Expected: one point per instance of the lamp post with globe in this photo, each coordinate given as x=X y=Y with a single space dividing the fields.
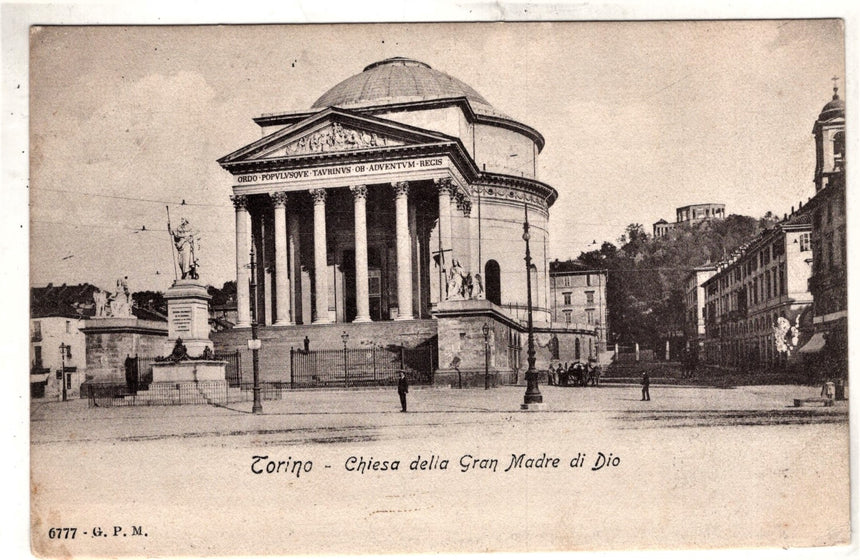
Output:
x=532 y=396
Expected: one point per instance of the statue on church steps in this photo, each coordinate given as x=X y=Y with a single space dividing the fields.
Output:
x=456 y=277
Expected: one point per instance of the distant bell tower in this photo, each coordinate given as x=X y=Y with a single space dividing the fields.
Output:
x=829 y=131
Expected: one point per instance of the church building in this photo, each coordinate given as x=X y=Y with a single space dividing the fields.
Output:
x=398 y=199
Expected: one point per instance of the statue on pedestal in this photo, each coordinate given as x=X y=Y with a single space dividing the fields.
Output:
x=477 y=287
x=116 y=304
x=100 y=299
x=185 y=240
x=455 y=281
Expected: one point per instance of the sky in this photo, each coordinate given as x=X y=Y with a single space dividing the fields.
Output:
x=639 y=118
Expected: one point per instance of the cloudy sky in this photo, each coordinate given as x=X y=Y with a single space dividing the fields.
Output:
x=639 y=118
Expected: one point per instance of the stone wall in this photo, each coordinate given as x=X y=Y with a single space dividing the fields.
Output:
x=461 y=344
x=110 y=340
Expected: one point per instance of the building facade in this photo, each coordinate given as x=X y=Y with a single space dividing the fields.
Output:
x=756 y=301
x=391 y=210
x=578 y=297
x=688 y=215
x=828 y=348
x=694 y=307
x=57 y=344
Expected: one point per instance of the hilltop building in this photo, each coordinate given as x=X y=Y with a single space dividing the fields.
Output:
x=688 y=215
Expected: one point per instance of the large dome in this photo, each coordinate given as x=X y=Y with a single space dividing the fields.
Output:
x=399 y=80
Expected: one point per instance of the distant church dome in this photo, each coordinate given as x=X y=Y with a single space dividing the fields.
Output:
x=399 y=80
x=835 y=108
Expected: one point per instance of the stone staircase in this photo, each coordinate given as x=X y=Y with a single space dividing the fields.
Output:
x=660 y=373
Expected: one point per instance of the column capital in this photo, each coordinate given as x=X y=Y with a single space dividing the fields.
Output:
x=463 y=203
x=240 y=201
x=401 y=188
x=444 y=184
x=279 y=199
x=359 y=191
x=318 y=195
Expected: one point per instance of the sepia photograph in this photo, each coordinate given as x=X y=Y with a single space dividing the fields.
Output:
x=421 y=288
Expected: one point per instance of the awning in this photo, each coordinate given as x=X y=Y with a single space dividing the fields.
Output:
x=815 y=344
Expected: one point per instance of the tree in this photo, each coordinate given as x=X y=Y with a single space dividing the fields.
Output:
x=226 y=294
x=647 y=277
x=150 y=300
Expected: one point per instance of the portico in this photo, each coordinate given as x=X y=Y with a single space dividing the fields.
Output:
x=347 y=241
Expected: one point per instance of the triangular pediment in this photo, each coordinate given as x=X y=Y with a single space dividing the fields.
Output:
x=334 y=131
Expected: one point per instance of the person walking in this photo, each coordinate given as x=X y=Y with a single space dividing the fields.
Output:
x=402 y=389
x=646 y=383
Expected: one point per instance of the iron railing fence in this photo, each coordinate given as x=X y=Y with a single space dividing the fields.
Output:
x=508 y=377
x=360 y=367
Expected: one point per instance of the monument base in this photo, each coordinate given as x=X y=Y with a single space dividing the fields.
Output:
x=196 y=347
x=188 y=316
x=189 y=370
x=110 y=340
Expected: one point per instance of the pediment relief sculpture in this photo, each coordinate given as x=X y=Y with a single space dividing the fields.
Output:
x=334 y=138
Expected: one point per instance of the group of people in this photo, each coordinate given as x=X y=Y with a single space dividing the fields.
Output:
x=576 y=374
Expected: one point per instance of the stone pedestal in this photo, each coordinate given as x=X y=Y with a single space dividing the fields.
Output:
x=189 y=370
x=109 y=340
x=188 y=315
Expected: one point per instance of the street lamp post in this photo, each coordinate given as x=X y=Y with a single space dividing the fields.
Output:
x=63 y=348
x=486 y=330
x=532 y=395
x=257 y=407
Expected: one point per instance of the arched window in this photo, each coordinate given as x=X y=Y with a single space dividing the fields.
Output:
x=493 y=282
x=839 y=144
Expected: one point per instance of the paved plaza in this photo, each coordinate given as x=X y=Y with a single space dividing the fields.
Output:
x=694 y=467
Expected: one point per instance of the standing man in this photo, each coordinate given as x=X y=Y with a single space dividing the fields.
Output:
x=402 y=389
x=646 y=383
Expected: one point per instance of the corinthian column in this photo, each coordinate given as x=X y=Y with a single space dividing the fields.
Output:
x=404 y=251
x=282 y=280
x=320 y=257
x=243 y=265
x=445 y=187
x=362 y=297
